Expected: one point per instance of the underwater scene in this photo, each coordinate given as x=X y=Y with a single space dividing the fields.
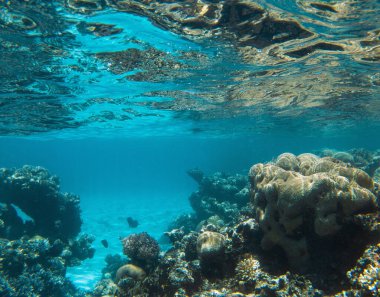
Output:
x=193 y=148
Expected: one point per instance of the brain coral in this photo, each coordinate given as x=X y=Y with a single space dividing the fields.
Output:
x=210 y=245
x=297 y=195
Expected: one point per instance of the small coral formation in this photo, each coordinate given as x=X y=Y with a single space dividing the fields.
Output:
x=141 y=248
x=35 y=251
x=211 y=249
x=210 y=245
x=320 y=208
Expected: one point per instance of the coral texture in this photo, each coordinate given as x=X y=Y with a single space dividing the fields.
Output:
x=210 y=245
x=297 y=196
x=34 y=267
x=141 y=248
x=130 y=270
x=36 y=247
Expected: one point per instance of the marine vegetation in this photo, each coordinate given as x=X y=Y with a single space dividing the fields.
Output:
x=303 y=225
x=35 y=251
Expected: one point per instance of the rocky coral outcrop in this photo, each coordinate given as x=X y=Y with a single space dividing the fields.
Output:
x=36 y=192
x=39 y=229
x=296 y=197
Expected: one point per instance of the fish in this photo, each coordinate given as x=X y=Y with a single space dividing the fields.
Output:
x=132 y=222
x=104 y=243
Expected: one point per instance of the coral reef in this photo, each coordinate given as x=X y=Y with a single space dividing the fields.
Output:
x=35 y=267
x=320 y=208
x=36 y=192
x=37 y=246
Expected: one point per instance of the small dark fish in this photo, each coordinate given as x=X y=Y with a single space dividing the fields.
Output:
x=104 y=243
x=132 y=222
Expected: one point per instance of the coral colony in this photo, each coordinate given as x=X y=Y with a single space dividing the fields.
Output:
x=305 y=225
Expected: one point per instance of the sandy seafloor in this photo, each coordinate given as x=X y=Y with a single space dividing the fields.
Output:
x=106 y=219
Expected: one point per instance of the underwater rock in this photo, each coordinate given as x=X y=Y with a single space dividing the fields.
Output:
x=130 y=270
x=141 y=248
x=36 y=192
x=318 y=198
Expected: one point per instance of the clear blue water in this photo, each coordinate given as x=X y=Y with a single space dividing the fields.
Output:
x=123 y=142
